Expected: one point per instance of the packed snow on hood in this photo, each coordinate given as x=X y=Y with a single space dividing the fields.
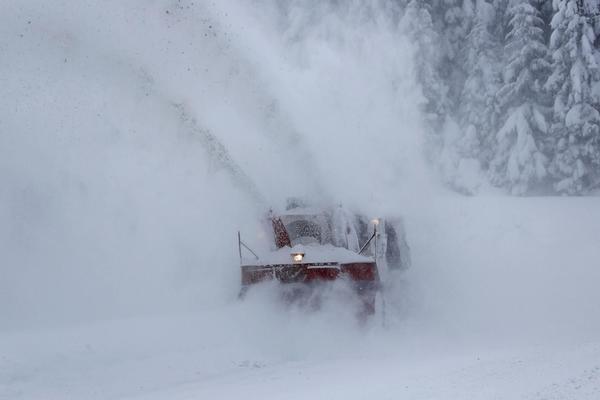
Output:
x=137 y=138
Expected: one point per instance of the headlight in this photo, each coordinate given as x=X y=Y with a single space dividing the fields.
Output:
x=297 y=257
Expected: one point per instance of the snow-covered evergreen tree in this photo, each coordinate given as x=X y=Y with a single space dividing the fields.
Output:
x=473 y=74
x=418 y=26
x=502 y=17
x=574 y=85
x=546 y=12
x=452 y=20
x=487 y=97
x=478 y=109
x=518 y=162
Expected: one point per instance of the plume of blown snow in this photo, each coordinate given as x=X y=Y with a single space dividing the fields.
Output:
x=115 y=202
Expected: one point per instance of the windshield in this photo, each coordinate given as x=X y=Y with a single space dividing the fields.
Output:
x=303 y=232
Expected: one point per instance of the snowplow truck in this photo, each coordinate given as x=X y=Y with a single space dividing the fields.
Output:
x=315 y=245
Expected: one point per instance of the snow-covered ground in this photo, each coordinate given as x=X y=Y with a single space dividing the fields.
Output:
x=118 y=214
x=502 y=302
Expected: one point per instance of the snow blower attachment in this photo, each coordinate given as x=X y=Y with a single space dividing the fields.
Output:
x=311 y=247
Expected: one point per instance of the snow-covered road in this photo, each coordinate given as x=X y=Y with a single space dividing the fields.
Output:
x=91 y=368
x=535 y=373
x=184 y=358
x=522 y=325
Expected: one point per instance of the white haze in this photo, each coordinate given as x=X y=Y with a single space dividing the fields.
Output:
x=111 y=208
x=109 y=203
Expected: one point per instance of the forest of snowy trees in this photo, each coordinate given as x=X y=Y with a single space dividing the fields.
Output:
x=512 y=92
